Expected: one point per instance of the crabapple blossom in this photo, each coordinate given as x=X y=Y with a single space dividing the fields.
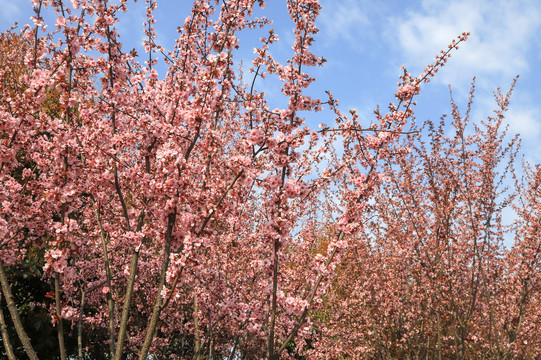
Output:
x=172 y=210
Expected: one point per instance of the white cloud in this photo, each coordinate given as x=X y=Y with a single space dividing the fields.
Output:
x=10 y=9
x=521 y=116
x=345 y=20
x=503 y=34
x=524 y=121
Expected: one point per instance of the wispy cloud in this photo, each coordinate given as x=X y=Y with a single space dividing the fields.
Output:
x=347 y=20
x=10 y=9
x=524 y=121
x=503 y=33
x=504 y=43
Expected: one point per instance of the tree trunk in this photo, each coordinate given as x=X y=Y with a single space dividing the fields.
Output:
x=14 y=312
x=60 y=326
x=155 y=319
x=5 y=336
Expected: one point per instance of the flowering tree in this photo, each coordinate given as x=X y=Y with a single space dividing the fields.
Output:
x=178 y=215
x=429 y=276
x=517 y=333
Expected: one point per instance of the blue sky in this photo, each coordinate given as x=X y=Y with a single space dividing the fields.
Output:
x=366 y=41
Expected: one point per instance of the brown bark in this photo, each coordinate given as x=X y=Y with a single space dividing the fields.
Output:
x=126 y=309
x=5 y=336
x=60 y=326
x=80 y=327
x=110 y=303
x=14 y=312
x=197 y=348
x=154 y=320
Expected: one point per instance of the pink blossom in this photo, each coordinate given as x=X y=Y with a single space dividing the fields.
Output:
x=3 y=228
x=55 y=254
x=295 y=188
x=256 y=137
x=285 y=113
x=243 y=161
x=59 y=265
x=68 y=312
x=60 y=21
x=273 y=181
x=109 y=20
x=406 y=92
